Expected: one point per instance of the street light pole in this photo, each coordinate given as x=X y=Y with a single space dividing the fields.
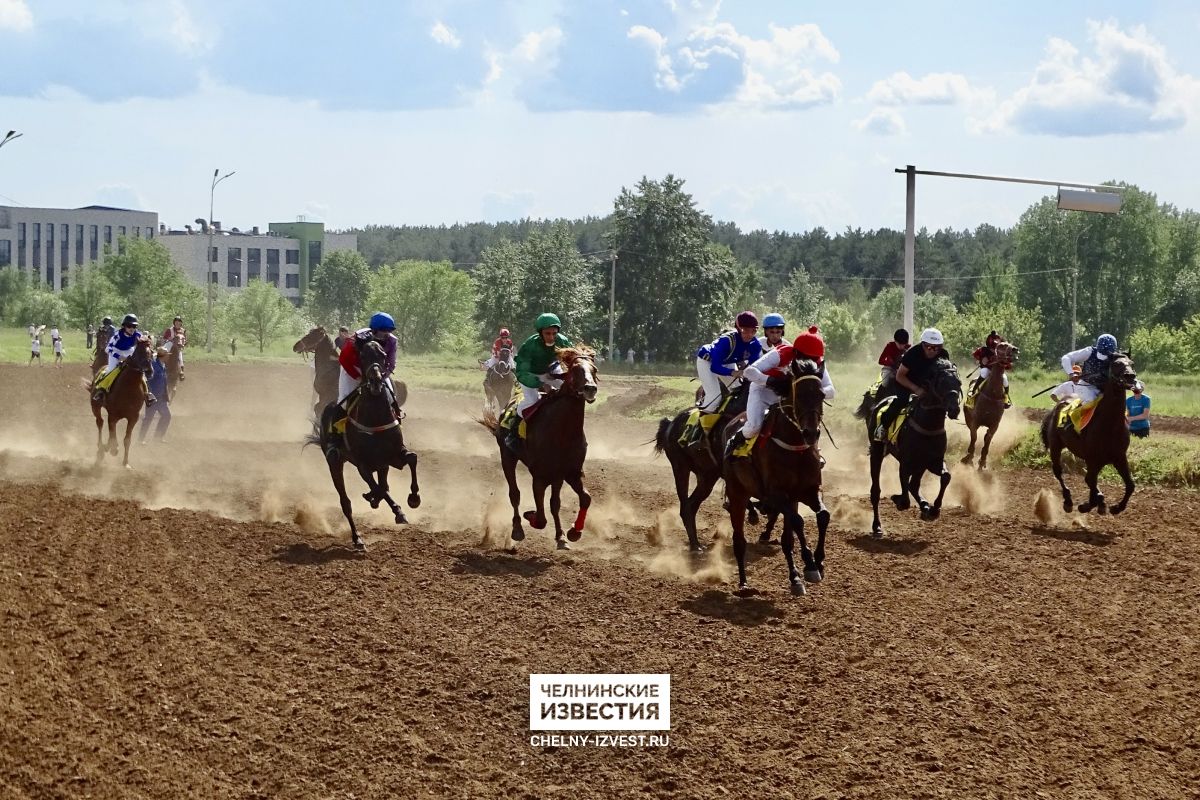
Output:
x=612 y=301
x=208 y=259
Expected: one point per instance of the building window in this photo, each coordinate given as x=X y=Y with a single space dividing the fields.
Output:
x=49 y=273
x=50 y=253
x=121 y=230
x=293 y=281
x=233 y=279
x=273 y=266
x=79 y=245
x=21 y=245
x=5 y=252
x=5 y=219
x=253 y=263
x=212 y=254
x=314 y=257
x=36 y=264
x=149 y=232
x=137 y=232
x=212 y=277
x=94 y=241
x=108 y=234
x=65 y=281
x=293 y=256
x=65 y=258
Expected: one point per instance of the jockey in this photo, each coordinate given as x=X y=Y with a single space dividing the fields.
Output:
x=104 y=334
x=380 y=328
x=503 y=341
x=1094 y=362
x=537 y=366
x=889 y=359
x=985 y=357
x=912 y=375
x=775 y=364
x=773 y=328
x=119 y=348
x=721 y=358
x=178 y=337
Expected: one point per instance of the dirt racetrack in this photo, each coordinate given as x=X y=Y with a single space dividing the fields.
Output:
x=198 y=627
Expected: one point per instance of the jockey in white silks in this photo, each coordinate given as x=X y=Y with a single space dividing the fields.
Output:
x=775 y=363
x=120 y=346
x=1095 y=363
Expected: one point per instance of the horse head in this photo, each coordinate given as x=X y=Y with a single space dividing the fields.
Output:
x=502 y=366
x=944 y=390
x=1006 y=353
x=308 y=344
x=804 y=404
x=139 y=359
x=373 y=358
x=1121 y=372
x=579 y=366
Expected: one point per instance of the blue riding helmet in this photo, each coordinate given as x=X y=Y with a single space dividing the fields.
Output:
x=1106 y=344
x=382 y=322
x=773 y=321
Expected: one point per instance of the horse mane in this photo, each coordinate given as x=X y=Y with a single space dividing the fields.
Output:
x=806 y=366
x=568 y=355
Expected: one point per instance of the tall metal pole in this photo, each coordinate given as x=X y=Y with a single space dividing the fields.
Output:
x=208 y=259
x=910 y=245
x=612 y=302
x=1074 y=292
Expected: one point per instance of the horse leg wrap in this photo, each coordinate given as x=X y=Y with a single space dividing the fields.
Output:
x=579 y=518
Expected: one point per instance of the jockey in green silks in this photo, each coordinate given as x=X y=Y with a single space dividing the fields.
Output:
x=537 y=360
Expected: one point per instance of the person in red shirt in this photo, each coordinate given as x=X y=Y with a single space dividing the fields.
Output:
x=985 y=357
x=889 y=359
x=503 y=342
x=178 y=337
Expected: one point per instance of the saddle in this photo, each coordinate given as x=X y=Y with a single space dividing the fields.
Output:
x=1074 y=412
x=893 y=432
x=699 y=425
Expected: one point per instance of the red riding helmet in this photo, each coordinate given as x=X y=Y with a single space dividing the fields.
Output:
x=504 y=332
x=810 y=344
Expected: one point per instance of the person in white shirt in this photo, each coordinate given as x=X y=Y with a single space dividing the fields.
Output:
x=1066 y=390
x=35 y=350
x=58 y=350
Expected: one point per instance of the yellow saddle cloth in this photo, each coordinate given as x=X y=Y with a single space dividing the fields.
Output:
x=105 y=381
x=509 y=416
x=893 y=431
x=1077 y=413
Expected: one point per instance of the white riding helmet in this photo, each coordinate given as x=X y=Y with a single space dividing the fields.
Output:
x=932 y=336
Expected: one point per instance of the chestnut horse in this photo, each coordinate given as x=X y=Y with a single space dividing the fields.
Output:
x=1105 y=439
x=174 y=366
x=373 y=441
x=325 y=362
x=554 y=448
x=987 y=409
x=124 y=400
x=784 y=469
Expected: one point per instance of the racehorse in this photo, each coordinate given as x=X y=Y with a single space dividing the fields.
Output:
x=373 y=440
x=100 y=361
x=704 y=463
x=988 y=406
x=499 y=381
x=784 y=469
x=1105 y=439
x=325 y=361
x=920 y=444
x=174 y=366
x=554 y=448
x=124 y=400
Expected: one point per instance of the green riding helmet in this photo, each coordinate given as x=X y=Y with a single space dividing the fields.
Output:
x=547 y=320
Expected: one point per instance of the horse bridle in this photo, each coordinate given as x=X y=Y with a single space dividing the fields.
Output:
x=568 y=385
x=787 y=411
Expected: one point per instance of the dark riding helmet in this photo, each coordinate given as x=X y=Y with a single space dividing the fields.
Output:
x=106 y=321
x=130 y=319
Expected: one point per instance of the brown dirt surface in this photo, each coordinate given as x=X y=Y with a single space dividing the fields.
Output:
x=1160 y=423
x=199 y=627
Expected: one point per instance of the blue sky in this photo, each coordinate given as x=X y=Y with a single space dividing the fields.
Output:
x=781 y=115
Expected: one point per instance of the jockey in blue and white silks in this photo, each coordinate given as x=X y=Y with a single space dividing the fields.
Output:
x=721 y=358
x=120 y=346
x=1095 y=366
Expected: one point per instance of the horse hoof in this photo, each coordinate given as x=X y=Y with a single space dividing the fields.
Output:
x=414 y=501
x=926 y=513
x=877 y=533
x=1101 y=509
x=532 y=519
x=798 y=587
x=518 y=534
x=401 y=519
x=965 y=460
x=813 y=575
x=696 y=549
x=1084 y=508
x=372 y=499
x=563 y=545
x=901 y=502
x=1067 y=507
x=934 y=513
x=751 y=516
x=1117 y=509
x=573 y=535
x=764 y=539
x=360 y=545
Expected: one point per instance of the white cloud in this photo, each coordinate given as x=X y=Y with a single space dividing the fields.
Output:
x=533 y=54
x=664 y=71
x=1127 y=85
x=936 y=88
x=185 y=33
x=15 y=15
x=443 y=34
x=882 y=122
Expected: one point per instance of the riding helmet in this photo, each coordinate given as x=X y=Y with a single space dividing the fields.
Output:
x=381 y=321
x=130 y=319
x=106 y=321
x=547 y=320
x=1106 y=344
x=773 y=321
x=932 y=336
x=810 y=344
x=504 y=332
x=747 y=319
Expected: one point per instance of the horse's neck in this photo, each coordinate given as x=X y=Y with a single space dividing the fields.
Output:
x=931 y=418
x=325 y=348
x=1112 y=402
x=371 y=410
x=994 y=385
x=565 y=412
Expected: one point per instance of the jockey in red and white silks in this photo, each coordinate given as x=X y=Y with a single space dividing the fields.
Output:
x=775 y=364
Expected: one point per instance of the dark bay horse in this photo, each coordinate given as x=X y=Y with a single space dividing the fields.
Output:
x=325 y=362
x=373 y=441
x=499 y=381
x=920 y=445
x=705 y=463
x=124 y=400
x=784 y=469
x=1105 y=439
x=554 y=448
x=988 y=407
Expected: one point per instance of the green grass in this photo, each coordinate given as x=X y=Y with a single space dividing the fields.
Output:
x=1158 y=460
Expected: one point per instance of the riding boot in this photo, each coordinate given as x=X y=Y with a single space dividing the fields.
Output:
x=738 y=440
x=150 y=399
x=98 y=396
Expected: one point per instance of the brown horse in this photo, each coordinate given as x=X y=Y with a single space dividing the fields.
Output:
x=499 y=381
x=124 y=400
x=988 y=407
x=373 y=441
x=325 y=362
x=174 y=366
x=554 y=448
x=784 y=469
x=1104 y=441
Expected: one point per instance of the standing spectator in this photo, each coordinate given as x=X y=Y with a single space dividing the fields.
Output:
x=32 y=330
x=35 y=349
x=233 y=347
x=340 y=340
x=646 y=356
x=1137 y=411
x=632 y=356
x=91 y=335
x=1066 y=390
x=158 y=387
x=58 y=350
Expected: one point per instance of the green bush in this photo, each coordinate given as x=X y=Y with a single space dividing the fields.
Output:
x=1159 y=348
x=969 y=328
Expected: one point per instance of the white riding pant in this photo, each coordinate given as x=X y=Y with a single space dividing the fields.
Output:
x=530 y=395
x=113 y=360
x=711 y=382
x=985 y=371
x=1086 y=392
x=346 y=384
x=759 y=400
x=491 y=362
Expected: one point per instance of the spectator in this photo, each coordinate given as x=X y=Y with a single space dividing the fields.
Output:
x=58 y=350
x=1137 y=411
x=32 y=330
x=35 y=349
x=632 y=356
x=233 y=347
x=158 y=387
x=91 y=335
x=1066 y=390
x=342 y=337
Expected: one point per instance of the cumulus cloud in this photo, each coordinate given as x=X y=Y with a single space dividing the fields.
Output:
x=882 y=122
x=533 y=54
x=15 y=15
x=184 y=31
x=443 y=34
x=936 y=88
x=1126 y=84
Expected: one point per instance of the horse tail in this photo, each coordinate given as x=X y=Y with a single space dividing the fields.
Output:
x=1047 y=422
x=661 y=438
x=864 y=408
x=314 y=437
x=489 y=420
